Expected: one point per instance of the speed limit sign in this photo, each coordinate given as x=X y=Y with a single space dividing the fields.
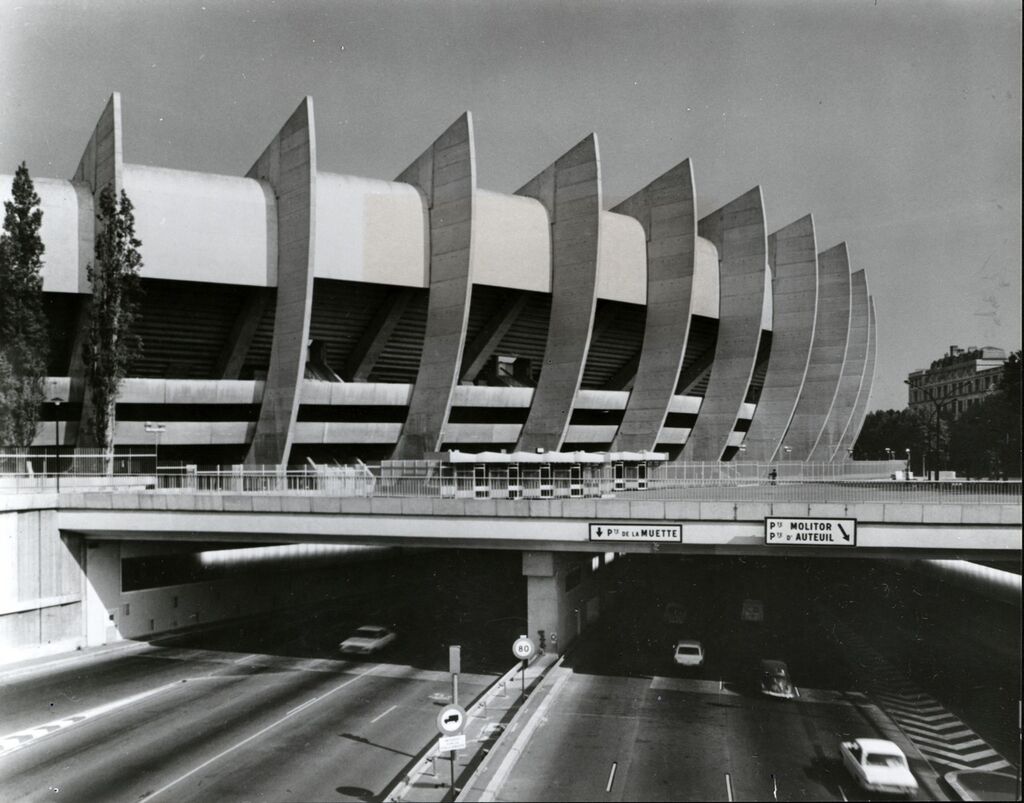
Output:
x=523 y=648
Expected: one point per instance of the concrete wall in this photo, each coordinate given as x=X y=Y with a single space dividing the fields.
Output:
x=201 y=227
x=622 y=249
x=513 y=243
x=666 y=209
x=570 y=190
x=793 y=258
x=67 y=230
x=371 y=231
x=41 y=587
x=446 y=175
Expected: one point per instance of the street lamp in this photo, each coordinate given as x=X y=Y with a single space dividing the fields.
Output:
x=889 y=454
x=152 y=426
x=56 y=401
x=908 y=462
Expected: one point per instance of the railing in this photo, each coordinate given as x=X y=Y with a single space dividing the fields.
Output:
x=699 y=482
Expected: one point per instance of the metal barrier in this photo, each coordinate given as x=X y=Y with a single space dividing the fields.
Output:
x=699 y=482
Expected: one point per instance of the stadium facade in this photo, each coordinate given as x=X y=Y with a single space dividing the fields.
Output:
x=295 y=313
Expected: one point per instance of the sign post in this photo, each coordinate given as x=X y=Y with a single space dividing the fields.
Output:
x=450 y=722
x=523 y=648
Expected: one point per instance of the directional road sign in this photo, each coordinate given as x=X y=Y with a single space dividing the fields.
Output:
x=523 y=648
x=648 y=533
x=810 y=532
x=451 y=720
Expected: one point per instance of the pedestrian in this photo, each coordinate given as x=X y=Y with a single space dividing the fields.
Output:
x=773 y=475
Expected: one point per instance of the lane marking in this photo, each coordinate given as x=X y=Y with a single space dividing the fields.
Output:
x=381 y=716
x=23 y=738
x=611 y=776
x=842 y=794
x=258 y=733
x=728 y=787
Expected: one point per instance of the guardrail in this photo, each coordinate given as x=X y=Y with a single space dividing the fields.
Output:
x=682 y=482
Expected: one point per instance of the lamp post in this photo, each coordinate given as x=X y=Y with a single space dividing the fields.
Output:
x=152 y=426
x=56 y=401
x=889 y=454
x=908 y=462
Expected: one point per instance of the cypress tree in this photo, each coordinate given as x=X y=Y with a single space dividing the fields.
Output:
x=24 y=343
x=112 y=343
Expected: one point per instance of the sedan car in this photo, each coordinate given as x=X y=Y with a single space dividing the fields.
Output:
x=367 y=640
x=878 y=766
x=688 y=653
x=775 y=681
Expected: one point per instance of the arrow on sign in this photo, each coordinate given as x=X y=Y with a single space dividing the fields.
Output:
x=846 y=535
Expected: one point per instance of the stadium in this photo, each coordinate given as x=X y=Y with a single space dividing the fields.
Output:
x=295 y=314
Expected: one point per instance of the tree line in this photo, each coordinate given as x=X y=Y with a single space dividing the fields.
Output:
x=983 y=441
x=110 y=343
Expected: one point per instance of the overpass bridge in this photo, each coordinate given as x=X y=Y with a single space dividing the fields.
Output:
x=79 y=537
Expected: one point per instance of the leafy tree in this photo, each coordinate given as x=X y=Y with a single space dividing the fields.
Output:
x=24 y=344
x=986 y=440
x=112 y=343
x=894 y=430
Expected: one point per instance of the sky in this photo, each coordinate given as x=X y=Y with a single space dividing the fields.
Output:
x=896 y=123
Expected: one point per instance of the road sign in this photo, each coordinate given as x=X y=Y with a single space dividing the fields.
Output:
x=810 y=532
x=451 y=719
x=455 y=659
x=657 y=533
x=448 y=743
x=523 y=648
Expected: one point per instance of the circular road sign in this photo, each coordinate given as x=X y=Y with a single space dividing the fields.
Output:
x=451 y=719
x=523 y=648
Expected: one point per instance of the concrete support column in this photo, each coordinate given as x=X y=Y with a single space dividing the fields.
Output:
x=570 y=190
x=667 y=208
x=831 y=327
x=446 y=175
x=289 y=166
x=793 y=259
x=101 y=165
x=831 y=436
x=738 y=231
x=860 y=409
x=561 y=596
x=102 y=571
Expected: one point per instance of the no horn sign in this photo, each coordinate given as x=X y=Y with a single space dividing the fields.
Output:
x=810 y=532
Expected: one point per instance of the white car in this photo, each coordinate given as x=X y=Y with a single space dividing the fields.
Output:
x=879 y=766
x=367 y=640
x=688 y=653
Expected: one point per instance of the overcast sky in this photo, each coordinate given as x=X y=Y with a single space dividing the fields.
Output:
x=896 y=123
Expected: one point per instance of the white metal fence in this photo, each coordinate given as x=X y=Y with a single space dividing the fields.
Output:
x=876 y=481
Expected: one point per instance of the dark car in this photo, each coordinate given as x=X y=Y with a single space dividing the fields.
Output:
x=774 y=680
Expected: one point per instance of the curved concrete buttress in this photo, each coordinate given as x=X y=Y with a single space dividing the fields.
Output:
x=289 y=166
x=831 y=327
x=446 y=175
x=738 y=231
x=860 y=409
x=667 y=209
x=793 y=258
x=831 y=435
x=101 y=165
x=570 y=190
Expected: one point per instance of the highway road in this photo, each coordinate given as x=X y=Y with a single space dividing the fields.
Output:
x=625 y=723
x=270 y=712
